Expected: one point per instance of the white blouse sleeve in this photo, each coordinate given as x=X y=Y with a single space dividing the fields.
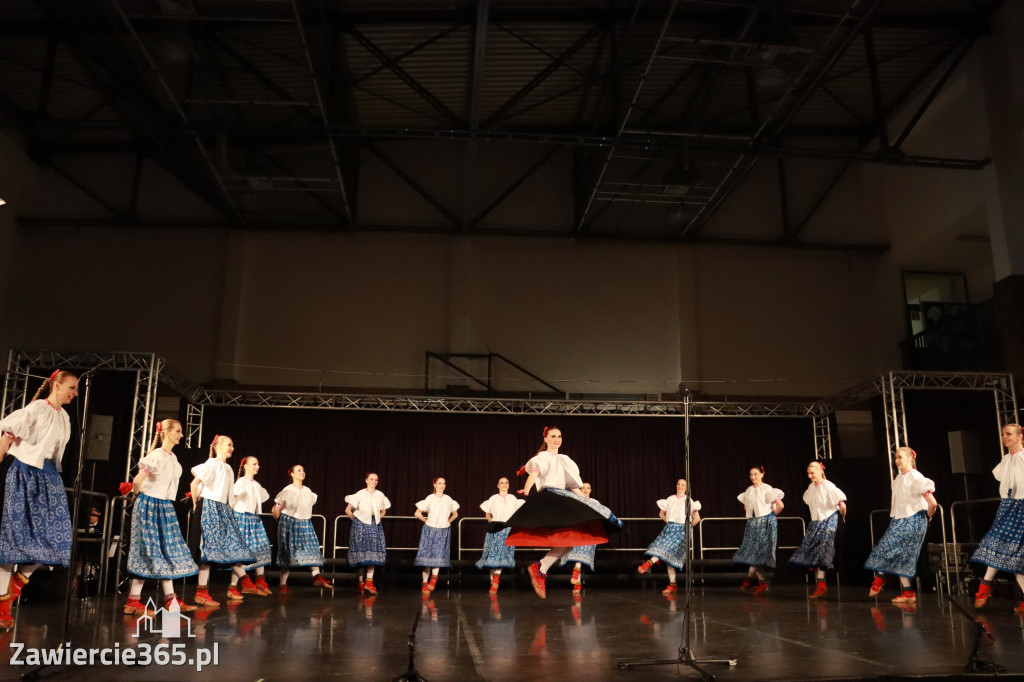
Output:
x=694 y=506
x=453 y=505
x=205 y=470
x=835 y=495
x=537 y=465
x=284 y=498
x=922 y=485
x=151 y=462
x=663 y=504
x=487 y=505
x=424 y=505
x=263 y=494
x=20 y=422
x=353 y=499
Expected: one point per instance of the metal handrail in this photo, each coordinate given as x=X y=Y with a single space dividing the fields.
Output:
x=386 y=517
x=945 y=548
x=952 y=525
x=320 y=536
x=744 y=519
x=462 y=549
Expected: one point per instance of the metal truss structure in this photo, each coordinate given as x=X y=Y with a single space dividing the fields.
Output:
x=892 y=388
x=147 y=368
x=270 y=112
x=151 y=370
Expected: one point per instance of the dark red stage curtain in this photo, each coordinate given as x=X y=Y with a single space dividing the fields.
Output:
x=630 y=461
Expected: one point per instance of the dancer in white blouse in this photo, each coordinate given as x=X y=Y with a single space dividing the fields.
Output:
x=297 y=543
x=762 y=504
x=249 y=499
x=35 y=525
x=158 y=549
x=367 y=547
x=436 y=537
x=556 y=516
x=222 y=541
x=818 y=548
x=671 y=545
x=1002 y=548
x=497 y=555
x=912 y=507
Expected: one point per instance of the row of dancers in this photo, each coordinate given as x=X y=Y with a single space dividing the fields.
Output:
x=556 y=512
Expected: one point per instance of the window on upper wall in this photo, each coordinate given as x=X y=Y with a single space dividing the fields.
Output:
x=933 y=298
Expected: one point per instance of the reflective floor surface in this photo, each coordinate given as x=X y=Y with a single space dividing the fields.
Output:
x=467 y=635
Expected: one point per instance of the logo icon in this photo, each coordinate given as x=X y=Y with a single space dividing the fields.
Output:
x=164 y=622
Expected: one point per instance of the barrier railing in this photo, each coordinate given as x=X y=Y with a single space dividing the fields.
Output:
x=315 y=518
x=945 y=546
x=600 y=548
x=734 y=519
x=952 y=526
x=387 y=518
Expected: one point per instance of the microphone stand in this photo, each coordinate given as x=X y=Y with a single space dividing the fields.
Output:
x=686 y=656
x=76 y=497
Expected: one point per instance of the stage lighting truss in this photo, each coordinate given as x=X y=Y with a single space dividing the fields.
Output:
x=152 y=370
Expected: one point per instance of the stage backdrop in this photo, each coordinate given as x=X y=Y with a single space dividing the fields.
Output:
x=630 y=461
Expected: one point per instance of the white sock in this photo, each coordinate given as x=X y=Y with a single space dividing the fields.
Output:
x=671 y=574
x=5 y=577
x=204 y=575
x=284 y=577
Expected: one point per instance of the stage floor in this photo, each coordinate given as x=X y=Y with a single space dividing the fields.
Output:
x=466 y=635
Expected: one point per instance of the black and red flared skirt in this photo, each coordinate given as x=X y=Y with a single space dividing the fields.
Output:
x=555 y=517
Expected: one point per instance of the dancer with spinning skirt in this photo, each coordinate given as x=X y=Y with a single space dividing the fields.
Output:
x=763 y=504
x=436 y=537
x=367 y=547
x=222 y=541
x=158 y=549
x=297 y=544
x=1002 y=548
x=828 y=505
x=913 y=505
x=249 y=499
x=556 y=515
x=497 y=555
x=35 y=524
x=671 y=545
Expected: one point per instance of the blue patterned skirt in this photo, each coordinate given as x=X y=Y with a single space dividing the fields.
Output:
x=759 y=540
x=222 y=541
x=435 y=547
x=1003 y=545
x=496 y=553
x=255 y=536
x=36 y=525
x=896 y=553
x=818 y=547
x=297 y=543
x=670 y=545
x=158 y=550
x=585 y=555
x=366 y=544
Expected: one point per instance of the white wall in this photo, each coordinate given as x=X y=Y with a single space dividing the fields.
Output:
x=360 y=309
